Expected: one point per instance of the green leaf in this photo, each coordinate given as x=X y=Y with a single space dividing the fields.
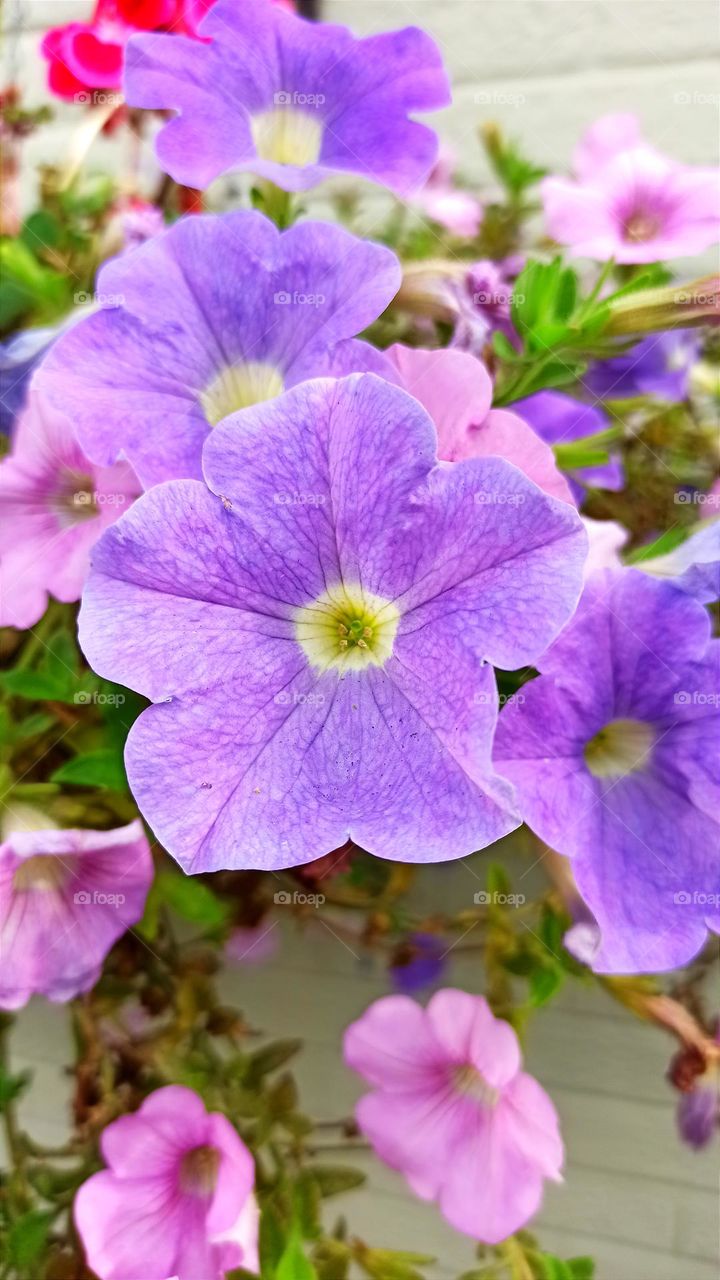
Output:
x=192 y=899
x=332 y=1180
x=272 y=1241
x=581 y=1268
x=294 y=1264
x=661 y=546
x=543 y=985
x=271 y=1058
x=102 y=768
x=11 y=1086
x=27 y=1238
x=39 y=686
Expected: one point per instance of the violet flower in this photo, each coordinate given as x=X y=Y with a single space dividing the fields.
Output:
x=54 y=504
x=659 y=366
x=291 y=101
x=316 y=628
x=453 y=1112
x=613 y=756
x=176 y=1199
x=561 y=419
x=65 y=899
x=182 y=344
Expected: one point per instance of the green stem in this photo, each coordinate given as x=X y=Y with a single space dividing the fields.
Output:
x=13 y=1134
x=276 y=203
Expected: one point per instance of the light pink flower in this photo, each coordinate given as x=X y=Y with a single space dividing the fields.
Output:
x=54 y=504
x=456 y=389
x=606 y=138
x=65 y=898
x=452 y=1110
x=176 y=1199
x=445 y=203
x=639 y=207
x=606 y=538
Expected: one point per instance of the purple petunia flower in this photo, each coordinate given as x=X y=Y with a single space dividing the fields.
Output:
x=561 y=419
x=176 y=1199
x=698 y=1110
x=613 y=753
x=660 y=366
x=639 y=207
x=65 y=899
x=453 y=1111
x=289 y=100
x=694 y=566
x=54 y=504
x=191 y=343
x=316 y=638
x=418 y=962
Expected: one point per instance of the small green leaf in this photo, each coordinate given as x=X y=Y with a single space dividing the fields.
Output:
x=11 y=1086
x=192 y=899
x=332 y=1180
x=27 y=1238
x=294 y=1264
x=102 y=768
x=271 y=1058
x=543 y=985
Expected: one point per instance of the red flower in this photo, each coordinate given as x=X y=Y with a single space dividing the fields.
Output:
x=87 y=56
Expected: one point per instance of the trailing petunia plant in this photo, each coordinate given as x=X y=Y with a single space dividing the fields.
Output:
x=323 y=558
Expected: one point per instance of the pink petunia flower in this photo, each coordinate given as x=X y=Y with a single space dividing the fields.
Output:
x=453 y=1112
x=456 y=210
x=176 y=1199
x=54 y=504
x=456 y=389
x=65 y=899
x=606 y=138
x=639 y=207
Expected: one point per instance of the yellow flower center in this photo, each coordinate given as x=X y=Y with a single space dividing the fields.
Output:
x=287 y=135
x=238 y=386
x=347 y=628
x=620 y=748
x=42 y=873
x=75 y=500
x=470 y=1082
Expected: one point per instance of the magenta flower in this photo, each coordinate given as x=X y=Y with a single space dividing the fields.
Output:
x=639 y=207
x=316 y=629
x=176 y=1199
x=452 y=1110
x=54 y=504
x=180 y=344
x=289 y=100
x=456 y=389
x=65 y=899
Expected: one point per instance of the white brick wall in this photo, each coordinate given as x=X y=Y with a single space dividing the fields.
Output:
x=645 y=1206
